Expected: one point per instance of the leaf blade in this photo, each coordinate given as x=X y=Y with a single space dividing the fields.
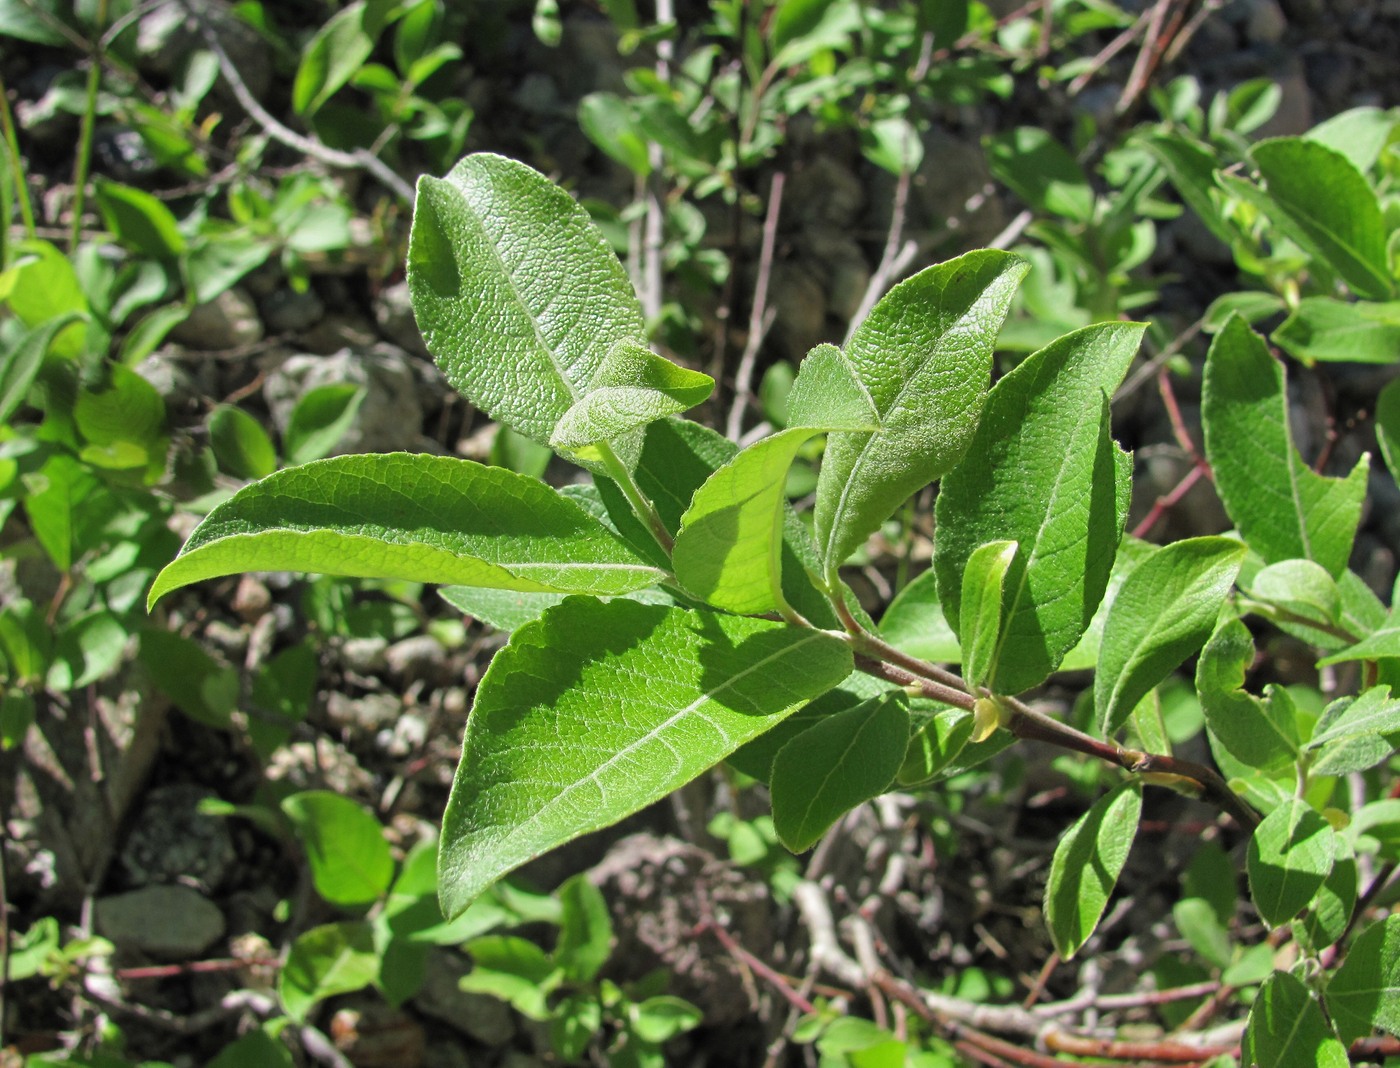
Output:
x=1086 y=866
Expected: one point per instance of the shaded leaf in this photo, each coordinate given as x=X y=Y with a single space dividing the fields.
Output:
x=1249 y=727
x=1364 y=993
x=336 y=958
x=1324 y=328
x=1086 y=866
x=1289 y=857
x=1288 y=1030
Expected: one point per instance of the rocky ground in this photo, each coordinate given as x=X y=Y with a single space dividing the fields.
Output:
x=103 y=828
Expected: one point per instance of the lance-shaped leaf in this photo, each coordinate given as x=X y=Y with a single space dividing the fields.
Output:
x=1288 y=1030
x=1253 y=730
x=1289 y=856
x=1164 y=612
x=1324 y=328
x=924 y=356
x=1365 y=991
x=1328 y=207
x=843 y=761
x=1282 y=508
x=729 y=549
x=422 y=518
x=983 y=590
x=517 y=293
x=1043 y=471
x=1373 y=712
x=633 y=387
x=1191 y=168
x=599 y=709
x=1388 y=426
x=1086 y=866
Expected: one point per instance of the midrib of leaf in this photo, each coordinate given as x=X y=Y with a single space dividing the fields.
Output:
x=1295 y=487
x=1035 y=552
x=515 y=291
x=594 y=777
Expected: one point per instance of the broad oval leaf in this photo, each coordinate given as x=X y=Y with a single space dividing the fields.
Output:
x=598 y=709
x=345 y=846
x=924 y=357
x=828 y=769
x=1086 y=866
x=422 y=518
x=1282 y=508
x=1164 y=612
x=335 y=958
x=517 y=293
x=1043 y=471
x=1288 y=1030
x=1290 y=856
x=1364 y=993
x=1252 y=729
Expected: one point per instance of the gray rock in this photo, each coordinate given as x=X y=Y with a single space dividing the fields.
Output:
x=364 y=655
x=418 y=657
x=287 y=311
x=1266 y=22
x=393 y=311
x=229 y=321
x=822 y=195
x=483 y=1018
x=171 y=839
x=798 y=298
x=390 y=417
x=368 y=712
x=169 y=922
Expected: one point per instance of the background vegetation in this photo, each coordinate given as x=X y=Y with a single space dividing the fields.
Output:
x=221 y=816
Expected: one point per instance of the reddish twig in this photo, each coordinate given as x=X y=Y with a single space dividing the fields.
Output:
x=1165 y=503
x=774 y=978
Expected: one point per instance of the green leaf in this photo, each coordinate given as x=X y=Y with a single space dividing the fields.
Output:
x=1364 y=993
x=1388 y=426
x=1086 y=866
x=1191 y=168
x=914 y=623
x=1043 y=471
x=126 y=409
x=338 y=50
x=597 y=710
x=1038 y=169
x=199 y=685
x=1164 y=612
x=585 y=930
x=240 y=443
x=612 y=124
x=828 y=769
x=420 y=518
x=1323 y=328
x=1360 y=134
x=935 y=746
x=256 y=1049
x=1250 y=728
x=345 y=847
x=660 y=1019
x=20 y=364
x=1282 y=508
x=1372 y=712
x=319 y=419
x=336 y=958
x=755 y=758
x=923 y=356
x=515 y=970
x=139 y=221
x=1289 y=858
x=505 y=610
x=1288 y=1030
x=1199 y=925
x=1331 y=910
x=1330 y=208
x=983 y=589
x=512 y=283
x=1300 y=587
x=633 y=387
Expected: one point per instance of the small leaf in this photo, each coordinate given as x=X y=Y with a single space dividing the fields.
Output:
x=512 y=283
x=1282 y=508
x=1250 y=728
x=240 y=443
x=914 y=623
x=1324 y=328
x=1043 y=471
x=1191 y=168
x=320 y=418
x=20 y=363
x=420 y=518
x=612 y=123
x=983 y=585
x=515 y=970
x=935 y=746
x=660 y=1019
x=1164 y=612
x=336 y=958
x=345 y=846
x=1086 y=865
x=199 y=685
x=597 y=710
x=827 y=770
x=139 y=221
x=1364 y=993
x=1360 y=134
x=633 y=387
x=337 y=51
x=1372 y=712
x=1300 y=587
x=1327 y=920
x=1329 y=208
x=1041 y=172
x=585 y=930
x=1288 y=1030
x=1289 y=858
x=924 y=357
